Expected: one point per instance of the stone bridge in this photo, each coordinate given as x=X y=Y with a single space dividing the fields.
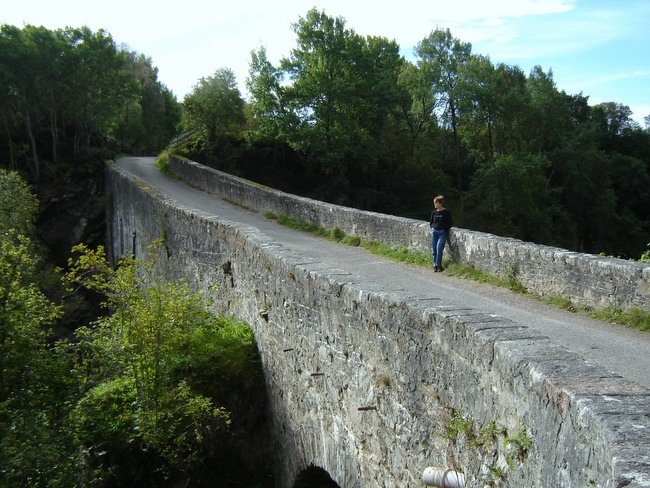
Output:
x=373 y=386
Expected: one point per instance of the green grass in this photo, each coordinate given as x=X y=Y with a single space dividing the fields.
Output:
x=397 y=253
x=162 y=162
x=635 y=318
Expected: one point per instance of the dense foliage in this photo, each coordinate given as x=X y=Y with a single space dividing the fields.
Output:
x=347 y=119
x=68 y=93
x=143 y=396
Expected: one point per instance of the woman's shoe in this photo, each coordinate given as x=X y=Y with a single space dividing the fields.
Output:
x=436 y=269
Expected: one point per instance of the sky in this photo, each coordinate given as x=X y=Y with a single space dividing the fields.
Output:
x=599 y=48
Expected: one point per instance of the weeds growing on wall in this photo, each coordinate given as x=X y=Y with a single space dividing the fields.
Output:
x=498 y=452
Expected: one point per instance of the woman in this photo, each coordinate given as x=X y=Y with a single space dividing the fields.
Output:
x=440 y=224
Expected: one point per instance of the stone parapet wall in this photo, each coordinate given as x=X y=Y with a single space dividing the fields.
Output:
x=547 y=271
x=367 y=383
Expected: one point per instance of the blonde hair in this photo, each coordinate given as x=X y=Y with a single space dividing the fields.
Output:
x=440 y=199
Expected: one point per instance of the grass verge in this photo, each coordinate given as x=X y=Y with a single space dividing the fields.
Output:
x=635 y=318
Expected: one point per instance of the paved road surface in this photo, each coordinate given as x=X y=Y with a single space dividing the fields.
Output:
x=617 y=348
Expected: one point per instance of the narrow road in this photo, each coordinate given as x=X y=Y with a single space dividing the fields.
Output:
x=621 y=350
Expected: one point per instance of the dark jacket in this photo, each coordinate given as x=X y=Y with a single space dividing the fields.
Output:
x=441 y=220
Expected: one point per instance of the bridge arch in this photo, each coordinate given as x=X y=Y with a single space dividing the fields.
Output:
x=314 y=477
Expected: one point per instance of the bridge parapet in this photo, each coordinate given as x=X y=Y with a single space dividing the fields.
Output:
x=586 y=279
x=373 y=385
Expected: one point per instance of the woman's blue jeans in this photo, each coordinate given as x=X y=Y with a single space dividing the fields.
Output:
x=438 y=239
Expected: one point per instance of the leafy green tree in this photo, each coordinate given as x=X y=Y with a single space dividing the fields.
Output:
x=141 y=415
x=64 y=93
x=35 y=381
x=98 y=85
x=321 y=81
x=418 y=103
x=265 y=84
x=410 y=165
x=18 y=206
x=513 y=109
x=444 y=57
x=496 y=109
x=510 y=199
x=481 y=110
x=30 y=60
x=549 y=119
x=329 y=101
x=618 y=117
x=149 y=121
x=214 y=113
x=630 y=177
x=589 y=197
x=342 y=88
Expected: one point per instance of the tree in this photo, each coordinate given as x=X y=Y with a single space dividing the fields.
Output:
x=214 y=112
x=337 y=76
x=151 y=120
x=444 y=57
x=549 y=117
x=64 y=92
x=35 y=381
x=321 y=82
x=480 y=108
x=267 y=93
x=418 y=102
x=329 y=101
x=18 y=206
x=510 y=198
x=98 y=85
x=630 y=180
x=495 y=104
x=31 y=66
x=618 y=116
x=145 y=412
